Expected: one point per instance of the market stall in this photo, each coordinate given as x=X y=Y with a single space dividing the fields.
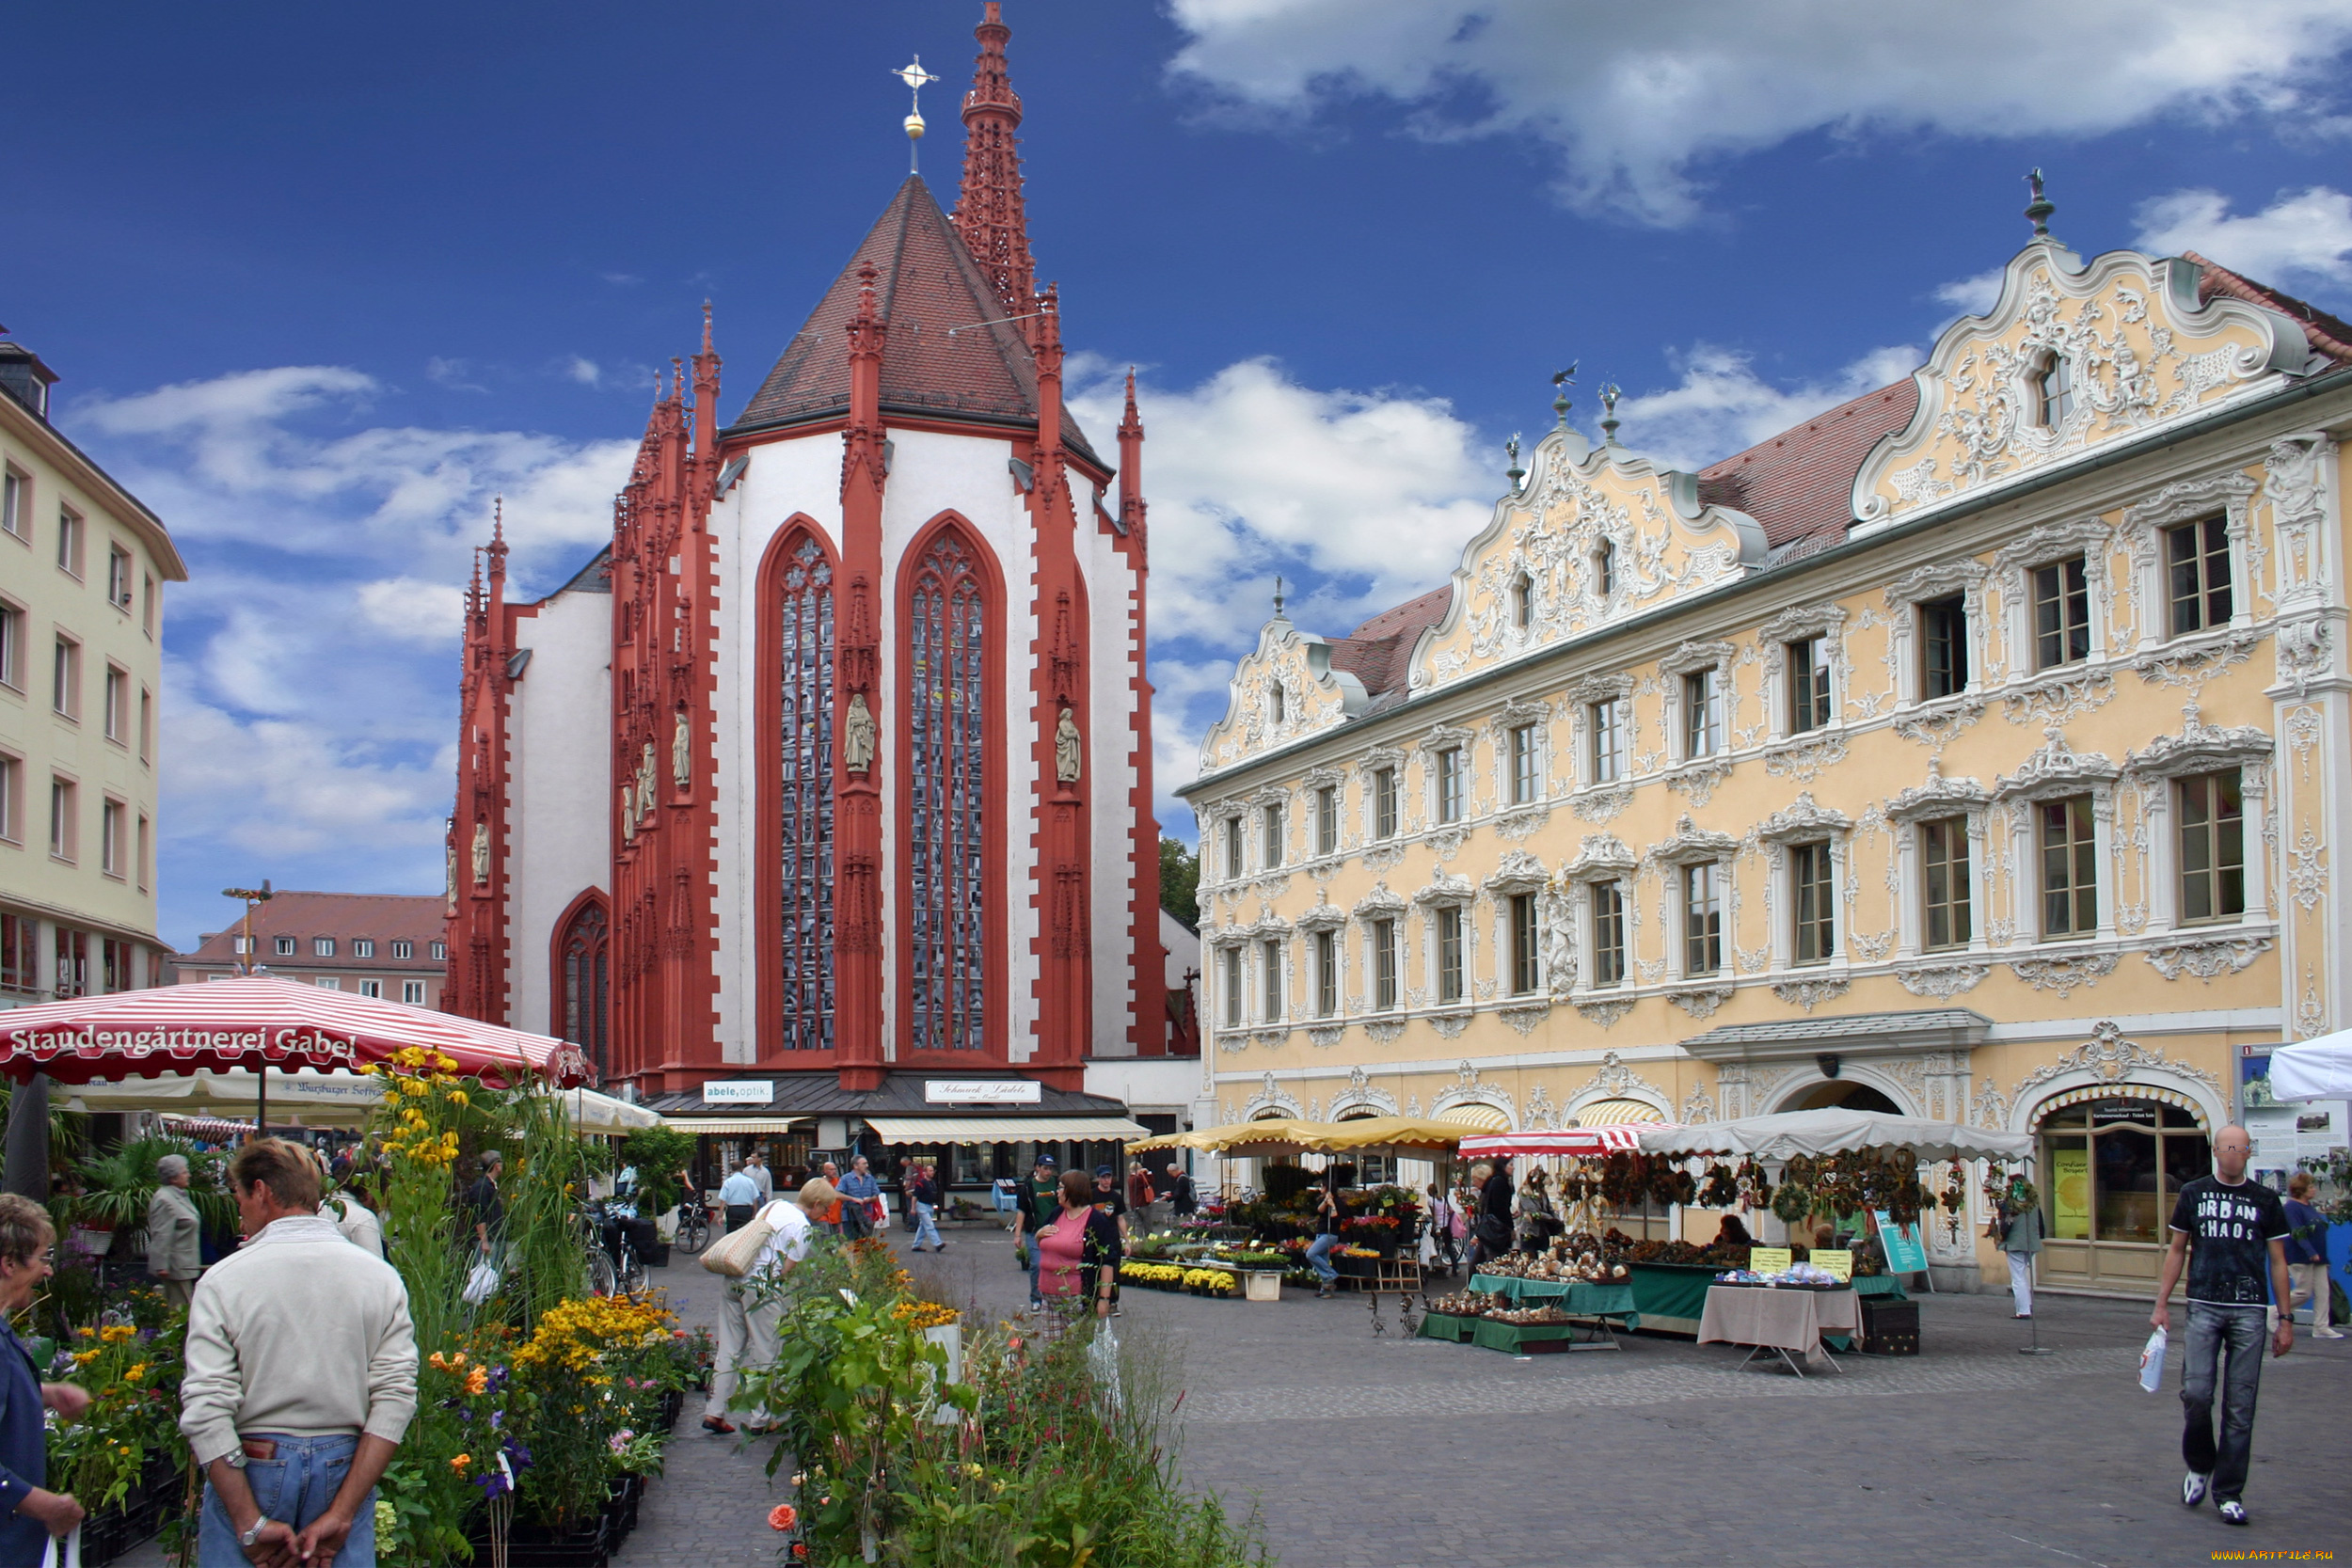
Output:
x=225 y=1102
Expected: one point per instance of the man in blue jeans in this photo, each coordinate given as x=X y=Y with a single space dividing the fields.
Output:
x=2233 y=1233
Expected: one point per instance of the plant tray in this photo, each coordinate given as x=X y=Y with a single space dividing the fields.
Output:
x=1523 y=1338
x=535 y=1546
x=1449 y=1328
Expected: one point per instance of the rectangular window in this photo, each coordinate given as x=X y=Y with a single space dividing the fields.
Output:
x=65 y=685
x=1526 y=783
x=118 y=577
x=2062 y=614
x=327 y=982
x=1384 y=965
x=403 y=950
x=1328 y=820
x=1326 y=973
x=412 y=992
x=1608 y=933
x=1702 y=919
x=440 y=951
x=1384 y=803
x=2213 y=848
x=1270 y=826
x=20 y=953
x=1808 y=683
x=1270 y=973
x=363 y=948
x=118 y=704
x=147 y=725
x=371 y=987
x=1233 y=988
x=146 y=603
x=2199 y=554
x=65 y=828
x=240 y=945
x=1449 y=784
x=68 y=541
x=1813 y=902
x=1702 y=713
x=2070 y=867
x=1943 y=647
x=110 y=837
x=146 y=853
x=1450 y=952
x=73 y=964
x=323 y=947
x=1233 y=847
x=16 y=495
x=1944 y=854
x=1524 y=946
x=11 y=647
x=1607 y=721
x=12 y=800
x=115 y=965
x=284 y=946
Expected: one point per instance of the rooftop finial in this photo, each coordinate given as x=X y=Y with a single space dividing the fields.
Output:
x=1561 y=382
x=2039 y=208
x=915 y=77
x=1610 y=394
x=1514 y=473
x=1277 y=594
x=706 y=326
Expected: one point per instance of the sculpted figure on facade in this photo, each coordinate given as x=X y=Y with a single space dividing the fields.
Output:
x=482 y=854
x=857 y=736
x=680 y=742
x=1066 y=748
x=1556 y=909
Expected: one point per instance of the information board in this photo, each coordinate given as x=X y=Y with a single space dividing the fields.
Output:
x=1905 y=1252
x=1839 y=1264
x=1770 y=1260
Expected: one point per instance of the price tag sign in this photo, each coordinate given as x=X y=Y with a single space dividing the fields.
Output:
x=1769 y=1259
x=1839 y=1264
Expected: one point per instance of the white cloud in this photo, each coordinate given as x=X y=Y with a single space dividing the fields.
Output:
x=413 y=609
x=1632 y=99
x=584 y=370
x=453 y=373
x=2302 y=238
x=1722 y=406
x=1973 y=296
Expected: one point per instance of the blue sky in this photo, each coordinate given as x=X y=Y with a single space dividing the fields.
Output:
x=321 y=280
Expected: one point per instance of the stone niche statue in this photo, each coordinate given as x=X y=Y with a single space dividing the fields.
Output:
x=857 y=736
x=448 y=874
x=482 y=854
x=1067 y=745
x=1556 y=909
x=681 y=739
x=629 y=811
x=646 y=779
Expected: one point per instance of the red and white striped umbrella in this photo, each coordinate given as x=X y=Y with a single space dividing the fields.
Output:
x=1574 y=1140
x=262 y=1021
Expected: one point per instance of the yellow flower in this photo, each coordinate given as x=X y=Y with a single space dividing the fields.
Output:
x=461 y=1462
x=458 y=1097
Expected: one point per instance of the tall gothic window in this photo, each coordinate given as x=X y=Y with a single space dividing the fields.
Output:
x=947 y=717
x=805 y=799
x=585 y=962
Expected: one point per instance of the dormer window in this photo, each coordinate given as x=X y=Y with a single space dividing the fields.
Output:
x=2053 y=392
x=1605 y=569
x=1276 y=704
x=1522 y=601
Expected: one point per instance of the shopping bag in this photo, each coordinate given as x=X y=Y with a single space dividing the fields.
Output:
x=733 y=1255
x=482 y=1284
x=1103 y=1363
x=64 y=1554
x=2152 y=1362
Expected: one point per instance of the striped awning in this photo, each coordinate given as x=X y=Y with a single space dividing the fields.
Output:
x=1617 y=1113
x=2119 y=1091
x=1486 y=1117
x=733 y=1126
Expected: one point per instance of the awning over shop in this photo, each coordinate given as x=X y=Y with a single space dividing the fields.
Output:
x=1617 y=1113
x=1836 y=1131
x=991 y=1130
x=1485 y=1118
x=732 y=1127
x=2119 y=1091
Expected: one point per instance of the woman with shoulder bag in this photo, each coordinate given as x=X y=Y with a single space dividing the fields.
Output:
x=1073 y=1248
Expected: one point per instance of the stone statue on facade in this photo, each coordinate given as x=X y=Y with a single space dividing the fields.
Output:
x=681 y=740
x=482 y=854
x=448 y=873
x=629 y=811
x=1066 y=748
x=857 y=736
x=646 y=779
x=1555 y=909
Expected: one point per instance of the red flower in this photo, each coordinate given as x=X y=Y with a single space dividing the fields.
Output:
x=783 y=1516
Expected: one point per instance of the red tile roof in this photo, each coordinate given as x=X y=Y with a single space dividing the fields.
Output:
x=1379 y=651
x=2327 y=335
x=928 y=285
x=385 y=917
x=1801 y=482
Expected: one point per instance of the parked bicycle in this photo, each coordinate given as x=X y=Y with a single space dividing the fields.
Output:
x=693 y=1226
x=613 y=1266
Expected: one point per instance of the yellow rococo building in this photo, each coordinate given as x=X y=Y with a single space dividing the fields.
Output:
x=1974 y=750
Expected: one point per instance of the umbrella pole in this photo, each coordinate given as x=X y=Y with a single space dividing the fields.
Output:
x=260 y=1105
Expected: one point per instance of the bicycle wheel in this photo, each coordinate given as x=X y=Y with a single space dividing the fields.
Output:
x=693 y=1233
x=602 y=1280
x=632 y=1273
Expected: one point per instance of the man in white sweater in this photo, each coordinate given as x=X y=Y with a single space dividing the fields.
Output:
x=301 y=1378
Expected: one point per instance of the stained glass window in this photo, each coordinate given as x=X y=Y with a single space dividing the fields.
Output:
x=948 y=713
x=587 y=986
x=805 y=634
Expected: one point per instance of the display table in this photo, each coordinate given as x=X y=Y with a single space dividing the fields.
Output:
x=1777 y=1319
x=1671 y=1297
x=1512 y=1338
x=1446 y=1326
x=1596 y=1304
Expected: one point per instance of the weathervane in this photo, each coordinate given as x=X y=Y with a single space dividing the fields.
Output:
x=915 y=77
x=1561 y=382
x=1278 y=593
x=2039 y=208
x=1514 y=473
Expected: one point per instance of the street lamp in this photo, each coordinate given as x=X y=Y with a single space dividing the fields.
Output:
x=253 y=895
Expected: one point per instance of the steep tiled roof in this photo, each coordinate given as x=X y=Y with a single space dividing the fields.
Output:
x=385 y=917
x=928 y=284
x=1379 y=651
x=2327 y=334
x=1801 y=482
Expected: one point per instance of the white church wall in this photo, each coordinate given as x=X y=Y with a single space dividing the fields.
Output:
x=1114 y=653
x=784 y=479
x=559 y=823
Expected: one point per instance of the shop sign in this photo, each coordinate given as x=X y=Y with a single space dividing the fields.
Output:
x=1905 y=1254
x=738 y=1091
x=2070 y=1194
x=2141 y=1111
x=998 y=1091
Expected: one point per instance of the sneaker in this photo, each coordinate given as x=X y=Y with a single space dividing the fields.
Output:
x=2193 y=1490
x=719 y=1425
x=1036 y=1304
x=2326 y=1334
x=2233 y=1512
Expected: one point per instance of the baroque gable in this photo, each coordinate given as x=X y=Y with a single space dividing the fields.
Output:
x=1281 y=690
x=2137 y=351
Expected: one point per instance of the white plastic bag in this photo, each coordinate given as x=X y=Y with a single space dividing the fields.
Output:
x=2152 y=1362
x=64 y=1554
x=481 y=1284
x=1102 y=1361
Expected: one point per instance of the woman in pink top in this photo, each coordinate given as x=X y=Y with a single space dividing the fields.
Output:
x=1073 y=1244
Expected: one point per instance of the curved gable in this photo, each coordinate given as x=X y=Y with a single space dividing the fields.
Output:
x=1314 y=695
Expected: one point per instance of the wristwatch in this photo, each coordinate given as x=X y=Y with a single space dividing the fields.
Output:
x=249 y=1537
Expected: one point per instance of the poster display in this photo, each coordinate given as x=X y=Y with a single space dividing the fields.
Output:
x=2070 y=1194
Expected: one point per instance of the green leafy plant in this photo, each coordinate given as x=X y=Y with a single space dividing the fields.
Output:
x=659 y=1153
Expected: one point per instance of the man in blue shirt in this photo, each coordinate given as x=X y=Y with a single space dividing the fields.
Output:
x=740 y=1193
x=858 y=1192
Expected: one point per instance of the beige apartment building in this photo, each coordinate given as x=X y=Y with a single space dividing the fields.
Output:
x=83 y=566
x=385 y=945
x=1974 y=750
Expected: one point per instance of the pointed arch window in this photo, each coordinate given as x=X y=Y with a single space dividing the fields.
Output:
x=805 y=641
x=947 y=714
x=584 y=984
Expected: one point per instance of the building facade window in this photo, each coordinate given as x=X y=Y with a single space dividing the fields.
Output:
x=146 y=603
x=1526 y=766
x=363 y=948
x=1522 y=601
x=404 y=949
x=1606 y=721
x=2197 y=555
x=118 y=577
x=64 y=827
x=2212 y=847
x=112 y=838
x=72 y=964
x=117 y=966
x=948 y=714
x=1449 y=923
x=117 y=704
x=371 y=987
x=1278 y=703
x=1608 y=933
x=16 y=498
x=1270 y=974
x=412 y=992
x=2053 y=392
x=147 y=725
x=440 y=950
x=1231 y=988
x=1270 y=831
x=322 y=947
x=1234 y=838
x=20 y=955
x=144 y=864
x=2115 y=1168
x=12 y=800
x=1702 y=919
x=1526 y=946
x=283 y=947
x=1328 y=820
x=1604 y=568
x=1384 y=802
x=68 y=541
x=2070 y=867
x=1449 y=784
x=11 y=647
x=65 y=686
x=584 y=965
x=1943 y=889
x=805 y=873
x=1943 y=647
x=1326 y=973
x=1702 y=713
x=1812 y=904
x=328 y=982
x=2061 y=613
x=1808 y=683
x=1384 y=965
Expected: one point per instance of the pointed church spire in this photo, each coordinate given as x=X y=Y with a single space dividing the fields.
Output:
x=1131 y=466
x=989 y=214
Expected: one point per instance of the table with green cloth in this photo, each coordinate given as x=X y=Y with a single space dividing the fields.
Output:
x=1671 y=1297
x=1576 y=1297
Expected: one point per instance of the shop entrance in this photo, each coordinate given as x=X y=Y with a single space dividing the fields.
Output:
x=2109 y=1168
x=1843 y=1096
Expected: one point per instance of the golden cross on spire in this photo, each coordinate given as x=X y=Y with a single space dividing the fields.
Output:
x=915 y=77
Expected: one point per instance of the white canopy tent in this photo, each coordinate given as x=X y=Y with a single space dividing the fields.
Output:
x=1836 y=1131
x=2313 y=1070
x=308 y=1098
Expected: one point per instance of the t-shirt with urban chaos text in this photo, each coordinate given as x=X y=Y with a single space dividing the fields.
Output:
x=2230 y=1231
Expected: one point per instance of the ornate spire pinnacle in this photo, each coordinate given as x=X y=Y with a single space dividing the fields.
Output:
x=1513 y=473
x=989 y=212
x=1561 y=382
x=1610 y=394
x=1130 y=505
x=915 y=77
x=2039 y=208
x=1278 y=596
x=706 y=326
